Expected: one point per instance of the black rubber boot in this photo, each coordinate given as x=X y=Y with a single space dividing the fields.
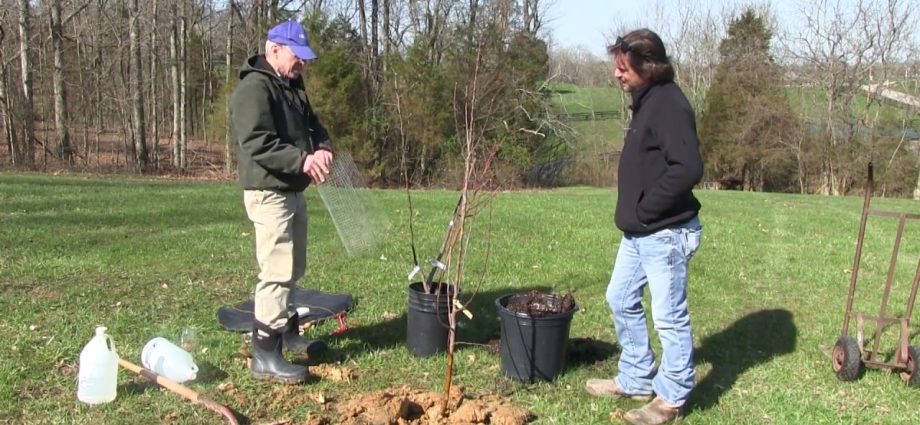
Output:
x=267 y=362
x=296 y=343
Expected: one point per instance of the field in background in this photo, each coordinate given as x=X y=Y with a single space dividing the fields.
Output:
x=147 y=258
x=597 y=140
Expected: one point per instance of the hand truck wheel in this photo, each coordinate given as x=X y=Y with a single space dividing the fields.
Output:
x=912 y=374
x=847 y=361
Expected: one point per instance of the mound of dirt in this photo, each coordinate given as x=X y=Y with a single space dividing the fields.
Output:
x=405 y=406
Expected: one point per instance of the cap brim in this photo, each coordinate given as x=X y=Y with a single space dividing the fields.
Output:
x=303 y=52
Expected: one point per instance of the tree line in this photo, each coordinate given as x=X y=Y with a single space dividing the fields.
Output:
x=130 y=85
x=83 y=80
x=800 y=106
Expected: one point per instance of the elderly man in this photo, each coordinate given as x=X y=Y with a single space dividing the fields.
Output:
x=282 y=148
x=658 y=214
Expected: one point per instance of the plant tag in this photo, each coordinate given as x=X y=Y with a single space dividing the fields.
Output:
x=462 y=309
x=415 y=271
x=437 y=264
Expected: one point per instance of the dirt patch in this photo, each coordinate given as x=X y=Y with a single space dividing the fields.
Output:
x=232 y=393
x=40 y=292
x=171 y=418
x=407 y=406
x=65 y=368
x=315 y=419
x=333 y=373
x=286 y=398
x=494 y=346
x=537 y=304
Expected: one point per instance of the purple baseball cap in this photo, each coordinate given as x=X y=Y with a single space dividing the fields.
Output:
x=292 y=34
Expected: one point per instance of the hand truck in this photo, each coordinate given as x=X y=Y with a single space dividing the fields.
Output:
x=850 y=355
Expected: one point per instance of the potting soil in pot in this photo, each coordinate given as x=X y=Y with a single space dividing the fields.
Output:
x=537 y=304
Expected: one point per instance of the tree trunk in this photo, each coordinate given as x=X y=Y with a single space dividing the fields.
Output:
x=154 y=89
x=917 y=188
x=6 y=109
x=27 y=150
x=65 y=151
x=434 y=29
x=137 y=92
x=183 y=86
x=174 y=75
x=207 y=99
x=84 y=139
x=228 y=62
x=375 y=43
x=368 y=73
x=387 y=40
x=97 y=112
x=362 y=17
x=414 y=19
x=528 y=12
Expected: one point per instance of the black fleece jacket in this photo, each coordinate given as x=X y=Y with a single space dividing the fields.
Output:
x=660 y=162
x=274 y=127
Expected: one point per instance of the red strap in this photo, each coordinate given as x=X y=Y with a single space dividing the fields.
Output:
x=343 y=327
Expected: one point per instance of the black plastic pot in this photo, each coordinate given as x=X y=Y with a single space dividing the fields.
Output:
x=427 y=321
x=533 y=348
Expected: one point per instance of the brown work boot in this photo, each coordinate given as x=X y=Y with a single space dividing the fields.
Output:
x=655 y=413
x=610 y=388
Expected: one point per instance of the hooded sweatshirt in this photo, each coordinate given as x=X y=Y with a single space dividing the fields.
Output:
x=274 y=127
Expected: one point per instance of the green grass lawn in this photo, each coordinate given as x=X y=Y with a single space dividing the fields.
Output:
x=146 y=258
x=571 y=98
x=810 y=103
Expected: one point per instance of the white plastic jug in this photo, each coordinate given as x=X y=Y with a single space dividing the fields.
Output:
x=168 y=360
x=98 y=376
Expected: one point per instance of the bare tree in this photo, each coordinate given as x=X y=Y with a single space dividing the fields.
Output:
x=175 y=74
x=6 y=108
x=533 y=12
x=137 y=92
x=387 y=40
x=362 y=23
x=61 y=122
x=26 y=153
x=473 y=102
x=837 y=49
x=183 y=85
x=154 y=85
x=415 y=20
x=694 y=46
x=228 y=64
x=375 y=45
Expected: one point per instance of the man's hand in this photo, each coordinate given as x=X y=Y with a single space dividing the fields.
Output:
x=316 y=165
x=324 y=157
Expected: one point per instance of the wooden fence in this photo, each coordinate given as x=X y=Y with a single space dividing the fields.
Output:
x=586 y=116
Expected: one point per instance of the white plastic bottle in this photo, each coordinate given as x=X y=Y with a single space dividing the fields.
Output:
x=98 y=376
x=168 y=360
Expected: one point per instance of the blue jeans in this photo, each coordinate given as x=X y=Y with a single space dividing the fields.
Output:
x=662 y=261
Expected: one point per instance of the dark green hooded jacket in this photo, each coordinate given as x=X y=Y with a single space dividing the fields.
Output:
x=274 y=127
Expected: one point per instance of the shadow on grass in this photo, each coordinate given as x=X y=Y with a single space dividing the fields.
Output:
x=140 y=385
x=209 y=374
x=389 y=333
x=752 y=340
x=136 y=386
x=584 y=352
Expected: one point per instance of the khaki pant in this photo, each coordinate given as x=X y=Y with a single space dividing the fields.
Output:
x=280 y=220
